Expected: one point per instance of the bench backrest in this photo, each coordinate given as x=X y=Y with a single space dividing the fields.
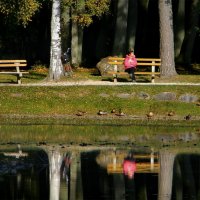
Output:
x=13 y=63
x=140 y=61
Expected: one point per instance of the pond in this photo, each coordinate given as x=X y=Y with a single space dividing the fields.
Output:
x=33 y=167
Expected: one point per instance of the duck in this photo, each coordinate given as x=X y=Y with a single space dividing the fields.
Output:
x=171 y=113
x=188 y=117
x=80 y=113
x=150 y=115
x=120 y=113
x=102 y=112
x=198 y=103
x=113 y=110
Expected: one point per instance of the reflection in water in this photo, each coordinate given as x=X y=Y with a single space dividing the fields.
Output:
x=65 y=167
x=22 y=177
x=129 y=165
x=98 y=174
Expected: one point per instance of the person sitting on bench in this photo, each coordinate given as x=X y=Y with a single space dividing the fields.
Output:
x=130 y=64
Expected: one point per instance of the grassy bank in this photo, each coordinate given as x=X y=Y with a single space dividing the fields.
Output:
x=67 y=101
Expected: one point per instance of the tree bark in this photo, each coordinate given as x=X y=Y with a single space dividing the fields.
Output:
x=179 y=28
x=65 y=28
x=74 y=44
x=132 y=24
x=189 y=41
x=77 y=37
x=166 y=39
x=120 y=28
x=56 y=67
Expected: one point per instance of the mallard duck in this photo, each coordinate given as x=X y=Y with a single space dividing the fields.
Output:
x=102 y=112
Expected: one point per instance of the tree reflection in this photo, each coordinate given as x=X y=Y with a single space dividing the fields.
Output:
x=100 y=174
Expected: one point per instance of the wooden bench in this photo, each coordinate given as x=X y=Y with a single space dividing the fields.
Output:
x=149 y=67
x=13 y=67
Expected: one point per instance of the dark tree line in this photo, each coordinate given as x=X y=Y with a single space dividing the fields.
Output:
x=154 y=28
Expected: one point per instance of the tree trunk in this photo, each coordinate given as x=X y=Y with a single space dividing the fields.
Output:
x=56 y=68
x=166 y=39
x=65 y=28
x=132 y=23
x=179 y=28
x=74 y=44
x=120 y=28
x=192 y=32
x=165 y=175
x=142 y=27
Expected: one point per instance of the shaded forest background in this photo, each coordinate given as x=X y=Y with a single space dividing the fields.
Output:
x=33 y=41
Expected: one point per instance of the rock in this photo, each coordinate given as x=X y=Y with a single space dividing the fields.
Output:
x=123 y=95
x=188 y=98
x=143 y=95
x=104 y=67
x=165 y=96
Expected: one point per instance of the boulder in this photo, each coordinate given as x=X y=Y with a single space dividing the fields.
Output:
x=104 y=67
x=188 y=98
x=165 y=96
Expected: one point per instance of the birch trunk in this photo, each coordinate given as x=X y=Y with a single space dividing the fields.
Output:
x=166 y=39
x=56 y=68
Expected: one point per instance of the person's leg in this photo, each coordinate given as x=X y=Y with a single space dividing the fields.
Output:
x=132 y=73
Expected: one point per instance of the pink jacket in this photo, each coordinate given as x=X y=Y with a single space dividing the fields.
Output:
x=130 y=61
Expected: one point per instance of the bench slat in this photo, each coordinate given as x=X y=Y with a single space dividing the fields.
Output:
x=12 y=61
x=125 y=73
x=13 y=65
x=146 y=73
x=14 y=72
x=114 y=72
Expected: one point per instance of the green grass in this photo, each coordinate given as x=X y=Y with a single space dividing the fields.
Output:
x=67 y=100
x=52 y=101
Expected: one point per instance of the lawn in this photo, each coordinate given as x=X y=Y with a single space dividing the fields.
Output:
x=67 y=101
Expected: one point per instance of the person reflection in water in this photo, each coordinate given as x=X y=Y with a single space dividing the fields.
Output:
x=129 y=166
x=65 y=167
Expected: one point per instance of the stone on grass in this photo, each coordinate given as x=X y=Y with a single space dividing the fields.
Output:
x=165 y=96
x=188 y=98
x=143 y=95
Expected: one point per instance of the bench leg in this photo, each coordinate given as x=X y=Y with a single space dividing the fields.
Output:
x=152 y=78
x=19 y=79
x=115 y=78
